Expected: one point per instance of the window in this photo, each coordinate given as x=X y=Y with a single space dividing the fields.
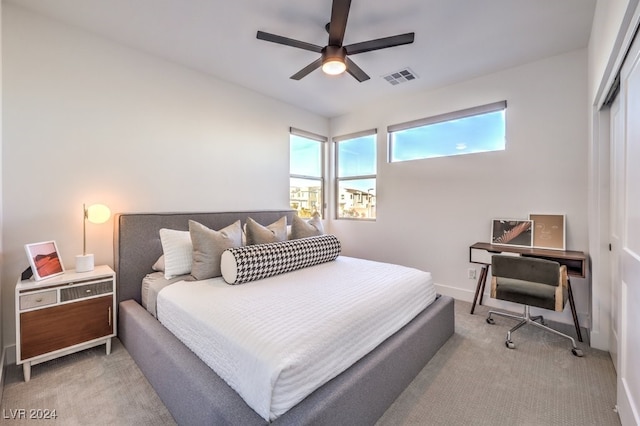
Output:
x=306 y=180
x=473 y=130
x=356 y=175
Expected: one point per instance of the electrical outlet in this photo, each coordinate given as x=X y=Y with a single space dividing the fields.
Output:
x=471 y=273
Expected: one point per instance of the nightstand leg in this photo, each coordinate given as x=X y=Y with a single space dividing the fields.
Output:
x=108 y=345
x=26 y=370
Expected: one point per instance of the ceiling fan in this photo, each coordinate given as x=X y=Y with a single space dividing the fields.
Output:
x=334 y=57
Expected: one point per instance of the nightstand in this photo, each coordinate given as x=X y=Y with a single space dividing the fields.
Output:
x=64 y=314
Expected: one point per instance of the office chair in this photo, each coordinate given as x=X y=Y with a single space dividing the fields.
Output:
x=530 y=282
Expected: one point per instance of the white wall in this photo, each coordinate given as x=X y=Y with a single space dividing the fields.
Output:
x=605 y=38
x=430 y=211
x=87 y=120
x=607 y=21
x=607 y=46
x=2 y=352
x=614 y=24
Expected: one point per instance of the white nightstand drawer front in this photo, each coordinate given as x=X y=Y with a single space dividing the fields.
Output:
x=37 y=300
x=80 y=292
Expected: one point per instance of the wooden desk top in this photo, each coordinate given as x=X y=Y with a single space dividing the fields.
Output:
x=575 y=260
x=560 y=254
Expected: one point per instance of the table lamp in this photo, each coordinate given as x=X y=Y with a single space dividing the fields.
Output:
x=96 y=213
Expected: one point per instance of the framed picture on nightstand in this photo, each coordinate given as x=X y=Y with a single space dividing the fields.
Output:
x=44 y=259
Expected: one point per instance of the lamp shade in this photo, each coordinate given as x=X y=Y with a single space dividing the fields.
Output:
x=98 y=213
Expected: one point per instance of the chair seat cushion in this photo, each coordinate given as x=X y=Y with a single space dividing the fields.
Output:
x=527 y=293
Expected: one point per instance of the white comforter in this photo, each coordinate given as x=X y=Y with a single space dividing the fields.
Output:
x=278 y=339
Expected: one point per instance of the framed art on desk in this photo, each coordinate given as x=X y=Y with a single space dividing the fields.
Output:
x=512 y=232
x=549 y=231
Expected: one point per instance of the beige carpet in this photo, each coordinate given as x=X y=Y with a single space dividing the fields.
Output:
x=473 y=380
x=85 y=388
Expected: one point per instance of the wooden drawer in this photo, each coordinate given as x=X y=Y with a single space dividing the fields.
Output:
x=88 y=290
x=36 y=300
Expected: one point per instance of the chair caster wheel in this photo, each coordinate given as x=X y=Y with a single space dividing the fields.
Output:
x=490 y=321
x=510 y=344
x=577 y=352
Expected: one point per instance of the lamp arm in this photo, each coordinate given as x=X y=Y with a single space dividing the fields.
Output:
x=84 y=230
x=96 y=213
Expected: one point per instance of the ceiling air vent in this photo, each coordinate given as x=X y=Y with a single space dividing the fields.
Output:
x=401 y=76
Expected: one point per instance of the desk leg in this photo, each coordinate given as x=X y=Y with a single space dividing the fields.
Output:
x=482 y=279
x=573 y=311
x=484 y=273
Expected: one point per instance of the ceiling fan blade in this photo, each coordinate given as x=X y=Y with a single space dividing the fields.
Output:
x=338 y=23
x=288 y=41
x=356 y=71
x=306 y=70
x=380 y=43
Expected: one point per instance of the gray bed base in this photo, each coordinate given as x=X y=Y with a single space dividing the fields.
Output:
x=195 y=395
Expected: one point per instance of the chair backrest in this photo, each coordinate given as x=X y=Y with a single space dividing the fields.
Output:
x=526 y=268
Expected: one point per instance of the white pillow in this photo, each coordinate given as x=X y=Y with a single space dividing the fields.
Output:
x=178 y=252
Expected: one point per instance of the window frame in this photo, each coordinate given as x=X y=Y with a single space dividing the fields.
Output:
x=322 y=179
x=440 y=118
x=336 y=140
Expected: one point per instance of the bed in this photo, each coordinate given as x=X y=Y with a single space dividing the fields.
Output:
x=195 y=394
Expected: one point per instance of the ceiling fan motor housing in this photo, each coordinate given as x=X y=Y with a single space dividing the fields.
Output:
x=334 y=52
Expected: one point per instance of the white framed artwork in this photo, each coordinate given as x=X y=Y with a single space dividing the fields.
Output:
x=549 y=231
x=44 y=259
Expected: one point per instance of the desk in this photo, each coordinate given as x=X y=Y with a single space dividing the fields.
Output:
x=575 y=261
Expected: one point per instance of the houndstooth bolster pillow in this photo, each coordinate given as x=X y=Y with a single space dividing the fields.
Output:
x=249 y=263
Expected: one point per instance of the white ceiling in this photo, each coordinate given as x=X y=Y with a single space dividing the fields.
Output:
x=455 y=39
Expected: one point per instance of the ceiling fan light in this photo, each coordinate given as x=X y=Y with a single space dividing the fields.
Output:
x=334 y=66
x=334 y=60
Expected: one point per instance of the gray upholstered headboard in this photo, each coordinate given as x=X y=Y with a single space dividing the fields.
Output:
x=137 y=240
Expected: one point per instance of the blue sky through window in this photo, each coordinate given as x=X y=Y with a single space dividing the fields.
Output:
x=478 y=133
x=357 y=157
x=306 y=157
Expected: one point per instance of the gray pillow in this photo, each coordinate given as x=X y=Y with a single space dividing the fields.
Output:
x=301 y=228
x=258 y=234
x=208 y=246
x=159 y=265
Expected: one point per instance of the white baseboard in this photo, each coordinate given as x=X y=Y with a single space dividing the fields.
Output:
x=467 y=296
x=10 y=354
x=598 y=340
x=454 y=292
x=629 y=414
x=2 y=371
